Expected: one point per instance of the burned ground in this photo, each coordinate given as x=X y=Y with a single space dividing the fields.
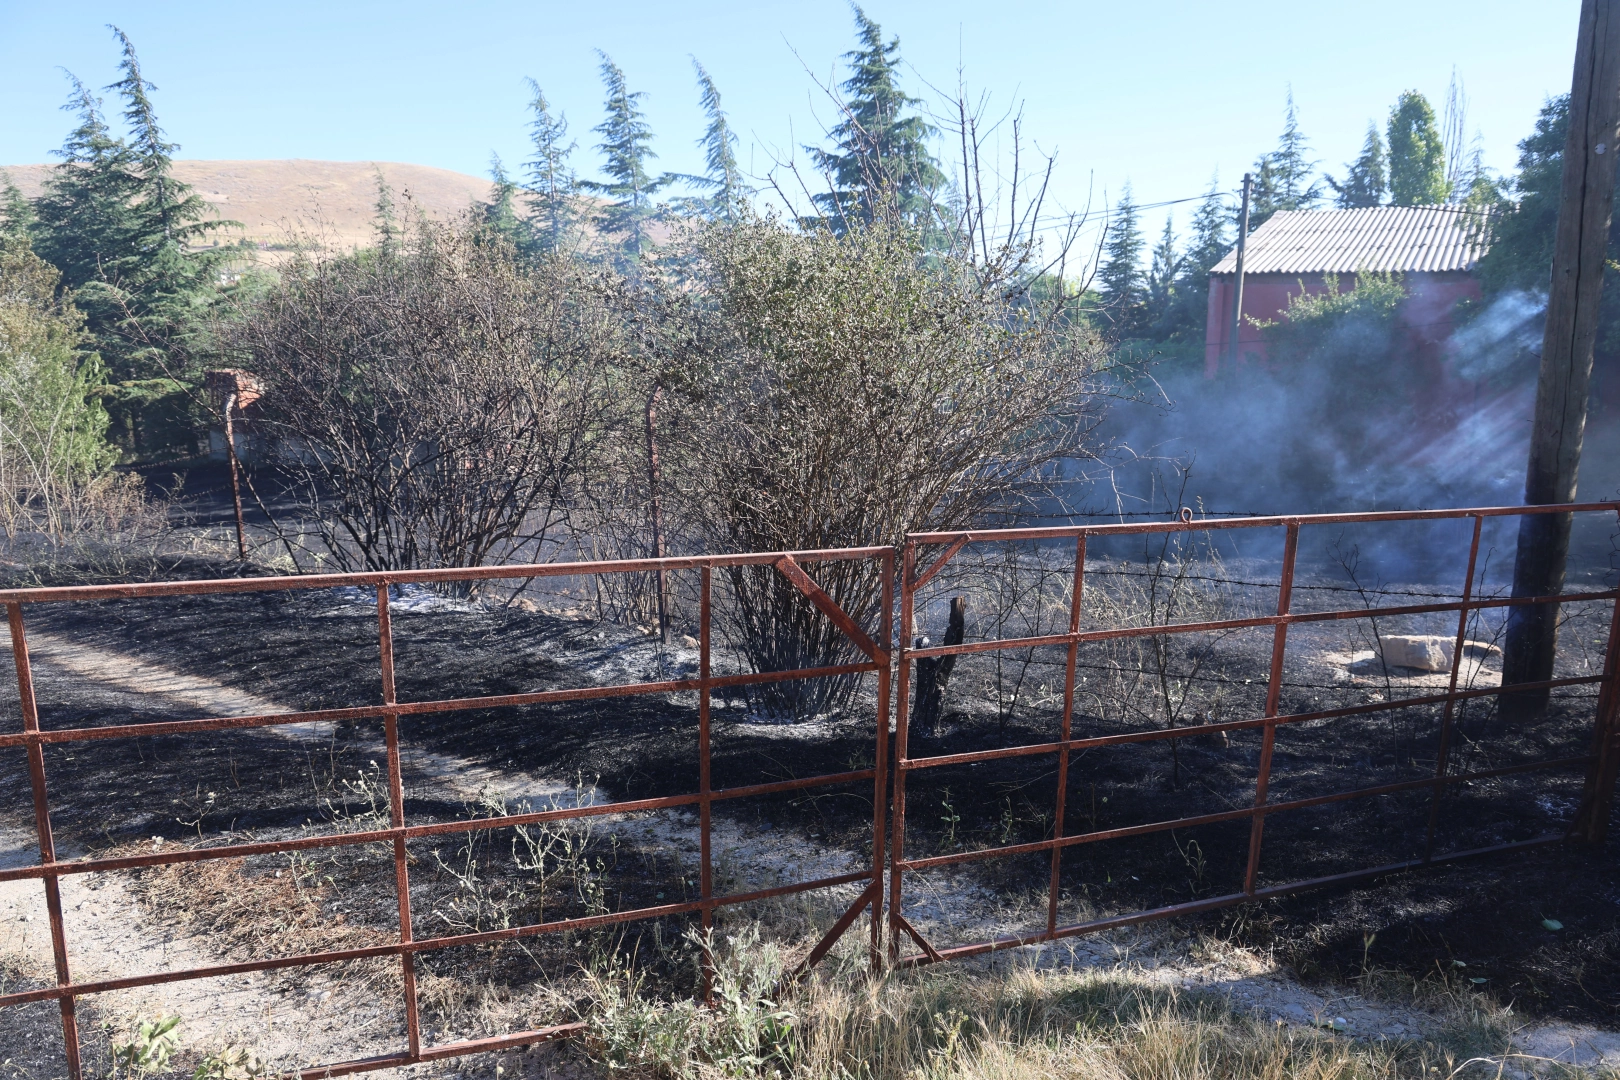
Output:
x=1473 y=920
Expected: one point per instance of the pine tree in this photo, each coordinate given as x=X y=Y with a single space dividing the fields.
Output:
x=723 y=178
x=880 y=158
x=626 y=146
x=1364 y=177
x=550 y=186
x=1417 y=157
x=1120 y=281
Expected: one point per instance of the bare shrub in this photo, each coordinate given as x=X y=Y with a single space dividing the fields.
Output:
x=436 y=402
x=857 y=388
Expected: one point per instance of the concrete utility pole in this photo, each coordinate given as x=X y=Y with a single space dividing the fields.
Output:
x=1584 y=210
x=1237 y=283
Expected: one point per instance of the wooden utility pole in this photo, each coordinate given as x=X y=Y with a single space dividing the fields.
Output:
x=1237 y=283
x=1584 y=210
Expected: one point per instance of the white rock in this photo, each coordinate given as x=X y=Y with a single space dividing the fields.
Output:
x=1426 y=652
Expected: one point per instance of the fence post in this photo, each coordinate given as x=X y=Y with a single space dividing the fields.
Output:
x=1591 y=824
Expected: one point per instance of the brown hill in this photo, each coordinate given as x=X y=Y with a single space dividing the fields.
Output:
x=333 y=202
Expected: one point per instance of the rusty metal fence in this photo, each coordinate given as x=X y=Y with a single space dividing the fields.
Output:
x=883 y=657
x=938 y=548
x=792 y=566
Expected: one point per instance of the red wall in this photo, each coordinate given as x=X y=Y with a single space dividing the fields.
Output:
x=1425 y=317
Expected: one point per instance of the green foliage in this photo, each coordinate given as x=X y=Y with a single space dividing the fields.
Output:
x=16 y=212
x=52 y=430
x=128 y=240
x=748 y=1032
x=1417 y=156
x=880 y=161
x=626 y=148
x=500 y=213
x=231 y=1063
x=1364 y=181
x=857 y=388
x=1523 y=224
x=151 y=1045
x=1526 y=220
x=551 y=187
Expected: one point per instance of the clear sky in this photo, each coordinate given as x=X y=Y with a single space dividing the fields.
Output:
x=1162 y=95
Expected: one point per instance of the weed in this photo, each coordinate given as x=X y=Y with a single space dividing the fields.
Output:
x=951 y=818
x=150 y=1046
x=231 y=1063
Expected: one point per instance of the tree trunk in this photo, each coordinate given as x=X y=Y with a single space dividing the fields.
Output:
x=934 y=672
x=1584 y=211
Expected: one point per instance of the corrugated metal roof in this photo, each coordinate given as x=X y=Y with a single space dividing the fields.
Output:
x=1399 y=239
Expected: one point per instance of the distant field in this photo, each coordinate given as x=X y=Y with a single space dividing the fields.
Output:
x=330 y=201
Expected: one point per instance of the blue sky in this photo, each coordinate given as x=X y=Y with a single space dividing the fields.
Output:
x=1159 y=94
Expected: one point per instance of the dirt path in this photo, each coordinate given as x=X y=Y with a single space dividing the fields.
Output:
x=112 y=936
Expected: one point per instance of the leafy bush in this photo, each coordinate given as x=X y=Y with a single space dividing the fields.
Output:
x=854 y=388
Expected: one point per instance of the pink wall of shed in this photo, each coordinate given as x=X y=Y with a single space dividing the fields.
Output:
x=1426 y=318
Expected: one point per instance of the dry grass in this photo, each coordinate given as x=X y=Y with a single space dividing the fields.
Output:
x=1009 y=1021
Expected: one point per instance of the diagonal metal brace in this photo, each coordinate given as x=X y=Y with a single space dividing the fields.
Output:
x=874 y=892
x=939 y=564
x=905 y=924
x=791 y=570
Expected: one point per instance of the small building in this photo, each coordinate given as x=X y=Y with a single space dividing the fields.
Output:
x=1433 y=248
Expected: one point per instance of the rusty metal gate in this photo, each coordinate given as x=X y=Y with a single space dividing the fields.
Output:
x=926 y=554
x=792 y=566
x=885 y=659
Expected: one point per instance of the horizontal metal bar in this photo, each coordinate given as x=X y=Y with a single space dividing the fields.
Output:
x=444 y=1050
x=148 y=589
x=973 y=536
x=1264 y=810
x=416 y=832
x=423 y=944
x=1191 y=731
x=1166 y=629
x=1193 y=907
x=410 y=708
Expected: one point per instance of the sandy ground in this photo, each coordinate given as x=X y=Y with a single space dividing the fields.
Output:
x=325 y=1022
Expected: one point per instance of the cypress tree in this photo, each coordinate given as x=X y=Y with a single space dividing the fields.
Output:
x=880 y=157
x=626 y=148
x=1120 y=281
x=722 y=177
x=1364 y=177
x=550 y=184
x=1417 y=156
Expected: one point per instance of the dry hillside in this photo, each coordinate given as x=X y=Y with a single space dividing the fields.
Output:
x=332 y=200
